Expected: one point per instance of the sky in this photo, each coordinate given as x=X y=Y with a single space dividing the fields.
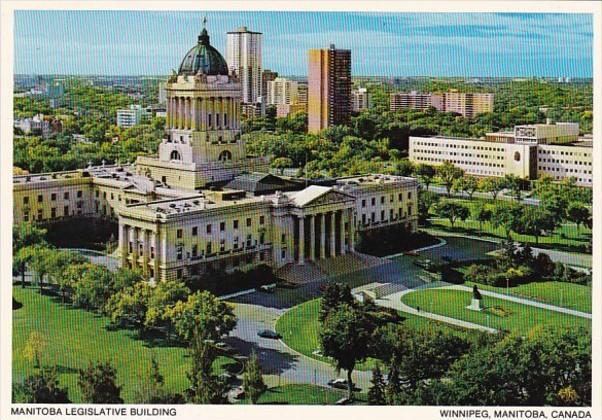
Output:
x=381 y=44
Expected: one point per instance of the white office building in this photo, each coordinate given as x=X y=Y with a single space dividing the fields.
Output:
x=243 y=55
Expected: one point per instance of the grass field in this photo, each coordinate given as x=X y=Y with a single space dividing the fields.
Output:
x=500 y=314
x=74 y=336
x=306 y=394
x=566 y=295
x=299 y=328
x=564 y=237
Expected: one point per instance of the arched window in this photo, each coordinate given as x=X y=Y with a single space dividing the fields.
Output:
x=175 y=155
x=225 y=155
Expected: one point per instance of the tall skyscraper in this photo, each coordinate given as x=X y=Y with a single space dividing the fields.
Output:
x=329 y=91
x=243 y=54
x=281 y=91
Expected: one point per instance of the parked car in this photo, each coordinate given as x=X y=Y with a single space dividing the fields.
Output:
x=268 y=288
x=341 y=383
x=269 y=334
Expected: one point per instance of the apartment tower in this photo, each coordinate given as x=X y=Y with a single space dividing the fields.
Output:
x=329 y=88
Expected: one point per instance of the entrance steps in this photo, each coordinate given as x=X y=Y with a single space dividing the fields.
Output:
x=324 y=268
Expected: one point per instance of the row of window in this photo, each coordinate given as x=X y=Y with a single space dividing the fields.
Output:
x=460 y=162
x=458 y=146
x=222 y=227
x=53 y=197
x=557 y=169
x=561 y=152
x=53 y=213
x=382 y=215
x=441 y=152
x=236 y=244
x=382 y=199
x=565 y=161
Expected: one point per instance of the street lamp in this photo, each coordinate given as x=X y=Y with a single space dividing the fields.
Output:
x=488 y=326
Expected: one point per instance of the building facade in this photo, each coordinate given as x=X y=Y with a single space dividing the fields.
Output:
x=200 y=205
x=528 y=152
x=410 y=100
x=466 y=104
x=129 y=117
x=281 y=91
x=360 y=99
x=243 y=54
x=329 y=88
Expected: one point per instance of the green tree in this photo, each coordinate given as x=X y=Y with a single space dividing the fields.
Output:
x=282 y=163
x=513 y=183
x=205 y=387
x=130 y=305
x=204 y=312
x=58 y=262
x=41 y=388
x=94 y=288
x=425 y=174
x=448 y=174
x=376 y=393
x=482 y=213
x=467 y=184
x=506 y=217
x=334 y=295
x=535 y=221
x=25 y=235
x=426 y=201
x=452 y=211
x=97 y=384
x=70 y=276
x=152 y=389
x=344 y=336
x=578 y=214
x=252 y=379
x=161 y=302
x=404 y=167
x=491 y=185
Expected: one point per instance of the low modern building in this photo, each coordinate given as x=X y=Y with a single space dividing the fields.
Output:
x=528 y=152
x=129 y=117
x=410 y=100
x=466 y=104
x=203 y=204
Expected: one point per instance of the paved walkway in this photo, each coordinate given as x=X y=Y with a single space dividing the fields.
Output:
x=394 y=301
x=523 y=301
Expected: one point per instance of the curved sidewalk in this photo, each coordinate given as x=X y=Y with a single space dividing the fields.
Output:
x=394 y=301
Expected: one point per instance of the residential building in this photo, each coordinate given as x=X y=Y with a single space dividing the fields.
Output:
x=281 y=91
x=360 y=99
x=267 y=75
x=129 y=117
x=284 y=110
x=243 y=55
x=410 y=100
x=162 y=96
x=329 y=88
x=468 y=104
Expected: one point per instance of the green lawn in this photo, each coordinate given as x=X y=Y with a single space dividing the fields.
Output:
x=565 y=236
x=566 y=295
x=305 y=394
x=299 y=328
x=74 y=336
x=500 y=314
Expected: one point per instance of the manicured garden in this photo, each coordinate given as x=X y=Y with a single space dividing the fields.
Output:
x=74 y=336
x=498 y=313
x=300 y=328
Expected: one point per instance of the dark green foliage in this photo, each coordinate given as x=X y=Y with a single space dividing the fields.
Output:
x=98 y=384
x=376 y=393
x=252 y=379
x=335 y=295
x=41 y=387
x=205 y=387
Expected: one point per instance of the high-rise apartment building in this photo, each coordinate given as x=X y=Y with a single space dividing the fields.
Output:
x=410 y=100
x=281 y=91
x=329 y=88
x=360 y=99
x=267 y=75
x=243 y=55
x=468 y=104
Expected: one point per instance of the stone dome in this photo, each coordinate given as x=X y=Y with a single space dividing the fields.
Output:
x=203 y=58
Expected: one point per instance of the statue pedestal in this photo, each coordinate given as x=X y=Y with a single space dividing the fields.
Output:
x=475 y=305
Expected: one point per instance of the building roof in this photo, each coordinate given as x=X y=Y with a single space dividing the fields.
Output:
x=203 y=58
x=243 y=30
x=260 y=183
x=307 y=195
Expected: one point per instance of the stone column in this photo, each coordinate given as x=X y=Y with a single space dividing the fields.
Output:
x=145 y=251
x=322 y=236
x=168 y=109
x=312 y=237
x=123 y=244
x=187 y=113
x=180 y=112
x=221 y=113
x=203 y=124
x=163 y=255
x=342 y=231
x=210 y=112
x=230 y=114
x=193 y=116
x=134 y=247
x=332 y=244
x=351 y=231
x=156 y=257
x=301 y=259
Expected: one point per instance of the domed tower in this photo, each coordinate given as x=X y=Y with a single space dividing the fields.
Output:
x=202 y=143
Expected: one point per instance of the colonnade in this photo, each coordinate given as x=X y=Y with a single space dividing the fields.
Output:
x=138 y=242
x=323 y=240
x=187 y=113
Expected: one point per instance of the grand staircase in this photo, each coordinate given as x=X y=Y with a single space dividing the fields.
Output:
x=321 y=269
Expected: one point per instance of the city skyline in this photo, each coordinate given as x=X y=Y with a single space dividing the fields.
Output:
x=381 y=44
